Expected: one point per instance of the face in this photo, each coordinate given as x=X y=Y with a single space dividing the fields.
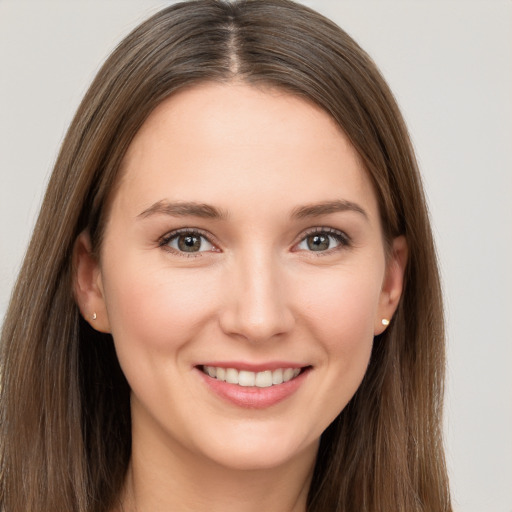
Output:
x=242 y=275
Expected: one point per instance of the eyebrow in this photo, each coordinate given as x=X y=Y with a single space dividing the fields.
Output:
x=325 y=208
x=206 y=211
x=183 y=209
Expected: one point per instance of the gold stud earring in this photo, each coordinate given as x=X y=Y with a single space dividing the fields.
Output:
x=385 y=322
x=94 y=316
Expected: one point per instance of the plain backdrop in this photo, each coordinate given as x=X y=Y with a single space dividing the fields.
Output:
x=450 y=66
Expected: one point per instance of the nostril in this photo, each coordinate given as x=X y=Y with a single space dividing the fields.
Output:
x=255 y=327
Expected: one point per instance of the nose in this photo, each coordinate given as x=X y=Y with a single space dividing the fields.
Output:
x=257 y=306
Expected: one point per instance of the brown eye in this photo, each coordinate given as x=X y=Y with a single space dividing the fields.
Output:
x=321 y=241
x=189 y=241
x=318 y=242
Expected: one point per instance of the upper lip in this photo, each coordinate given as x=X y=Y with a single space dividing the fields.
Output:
x=254 y=367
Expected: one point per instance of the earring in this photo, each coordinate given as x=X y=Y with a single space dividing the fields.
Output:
x=385 y=322
x=94 y=316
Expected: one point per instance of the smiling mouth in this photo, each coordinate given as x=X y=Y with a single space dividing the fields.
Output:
x=245 y=378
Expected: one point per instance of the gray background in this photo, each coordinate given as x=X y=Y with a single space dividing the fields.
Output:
x=450 y=66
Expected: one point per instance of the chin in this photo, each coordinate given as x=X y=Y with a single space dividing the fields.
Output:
x=264 y=454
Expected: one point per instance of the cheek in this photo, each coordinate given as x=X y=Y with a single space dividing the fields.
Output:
x=338 y=312
x=156 y=309
x=342 y=305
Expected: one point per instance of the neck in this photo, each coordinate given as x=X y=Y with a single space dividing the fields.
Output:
x=173 y=478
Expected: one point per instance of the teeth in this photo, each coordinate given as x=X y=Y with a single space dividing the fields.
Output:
x=263 y=379
x=287 y=374
x=277 y=376
x=245 y=378
x=231 y=376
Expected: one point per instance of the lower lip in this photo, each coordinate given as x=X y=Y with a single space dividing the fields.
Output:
x=253 y=397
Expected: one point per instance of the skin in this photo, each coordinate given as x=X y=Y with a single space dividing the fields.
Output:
x=255 y=292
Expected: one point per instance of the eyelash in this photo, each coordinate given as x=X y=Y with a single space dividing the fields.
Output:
x=166 y=239
x=342 y=238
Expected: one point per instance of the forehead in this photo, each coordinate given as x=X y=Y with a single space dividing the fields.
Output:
x=217 y=141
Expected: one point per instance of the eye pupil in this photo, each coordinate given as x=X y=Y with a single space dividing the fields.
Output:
x=189 y=243
x=318 y=242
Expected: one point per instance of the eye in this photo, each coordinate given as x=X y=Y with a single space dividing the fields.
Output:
x=187 y=241
x=323 y=240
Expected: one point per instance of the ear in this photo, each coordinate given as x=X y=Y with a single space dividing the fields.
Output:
x=393 y=284
x=88 y=285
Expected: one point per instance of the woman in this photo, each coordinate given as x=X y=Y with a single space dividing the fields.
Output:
x=231 y=297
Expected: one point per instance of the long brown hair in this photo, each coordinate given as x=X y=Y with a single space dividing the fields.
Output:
x=65 y=415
